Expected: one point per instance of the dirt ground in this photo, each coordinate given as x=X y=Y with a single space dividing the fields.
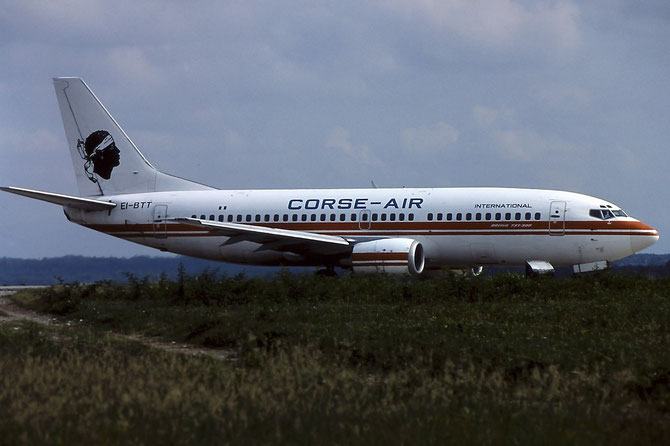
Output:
x=10 y=312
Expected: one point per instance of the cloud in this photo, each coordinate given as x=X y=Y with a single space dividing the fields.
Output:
x=86 y=23
x=132 y=65
x=500 y=24
x=340 y=139
x=439 y=136
x=517 y=144
x=33 y=141
x=563 y=97
x=489 y=116
x=528 y=146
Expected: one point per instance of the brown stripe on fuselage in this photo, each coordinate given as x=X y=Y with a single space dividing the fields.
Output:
x=395 y=228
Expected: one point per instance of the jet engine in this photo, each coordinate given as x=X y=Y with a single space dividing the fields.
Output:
x=392 y=256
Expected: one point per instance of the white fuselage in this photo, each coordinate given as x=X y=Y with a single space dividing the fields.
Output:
x=458 y=227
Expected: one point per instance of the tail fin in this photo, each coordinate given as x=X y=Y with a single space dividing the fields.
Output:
x=106 y=162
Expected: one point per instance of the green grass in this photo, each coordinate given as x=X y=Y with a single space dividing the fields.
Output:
x=363 y=360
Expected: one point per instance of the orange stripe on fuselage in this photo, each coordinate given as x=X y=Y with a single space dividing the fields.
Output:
x=397 y=228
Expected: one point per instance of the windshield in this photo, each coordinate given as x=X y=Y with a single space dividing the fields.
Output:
x=606 y=214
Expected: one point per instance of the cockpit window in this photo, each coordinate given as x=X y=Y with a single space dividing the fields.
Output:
x=606 y=214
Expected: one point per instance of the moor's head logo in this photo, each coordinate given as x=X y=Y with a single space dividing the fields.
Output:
x=99 y=153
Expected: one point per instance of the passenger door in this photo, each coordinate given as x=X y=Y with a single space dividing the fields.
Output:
x=557 y=218
x=160 y=227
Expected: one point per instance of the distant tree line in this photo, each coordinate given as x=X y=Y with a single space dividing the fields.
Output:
x=68 y=269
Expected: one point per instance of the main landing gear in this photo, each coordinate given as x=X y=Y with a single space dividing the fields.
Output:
x=329 y=271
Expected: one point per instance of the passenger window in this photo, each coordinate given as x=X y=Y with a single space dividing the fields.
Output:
x=258 y=217
x=517 y=216
x=303 y=217
x=538 y=216
x=488 y=216
x=383 y=217
x=364 y=216
x=322 y=217
x=248 y=217
x=276 y=217
x=332 y=217
x=430 y=216
x=459 y=216
x=498 y=216
x=239 y=218
x=284 y=217
x=439 y=215
x=468 y=216
x=211 y=217
x=508 y=216
x=343 y=217
x=220 y=217
x=267 y=217
x=312 y=217
x=202 y=217
x=478 y=216
x=527 y=215
x=410 y=217
x=230 y=218
x=401 y=217
x=353 y=217
x=374 y=217
x=449 y=216
x=294 y=217
x=392 y=217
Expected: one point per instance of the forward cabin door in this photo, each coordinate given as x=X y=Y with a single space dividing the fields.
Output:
x=557 y=218
x=160 y=227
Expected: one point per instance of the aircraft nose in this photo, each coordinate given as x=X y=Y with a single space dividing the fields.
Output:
x=643 y=238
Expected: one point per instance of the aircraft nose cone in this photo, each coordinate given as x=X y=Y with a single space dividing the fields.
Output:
x=644 y=238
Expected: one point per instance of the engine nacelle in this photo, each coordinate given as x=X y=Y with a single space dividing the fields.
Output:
x=392 y=256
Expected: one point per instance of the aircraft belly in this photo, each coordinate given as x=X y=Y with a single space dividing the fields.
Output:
x=516 y=249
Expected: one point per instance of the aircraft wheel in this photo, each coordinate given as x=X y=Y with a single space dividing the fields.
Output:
x=327 y=272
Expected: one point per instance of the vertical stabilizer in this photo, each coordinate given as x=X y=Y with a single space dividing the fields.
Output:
x=106 y=162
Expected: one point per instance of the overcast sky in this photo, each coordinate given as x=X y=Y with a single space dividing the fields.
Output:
x=283 y=94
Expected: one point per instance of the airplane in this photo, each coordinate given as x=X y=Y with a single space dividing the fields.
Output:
x=415 y=231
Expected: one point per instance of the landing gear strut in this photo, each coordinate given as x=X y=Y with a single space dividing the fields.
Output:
x=329 y=271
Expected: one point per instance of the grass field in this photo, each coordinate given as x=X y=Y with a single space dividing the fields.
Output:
x=355 y=360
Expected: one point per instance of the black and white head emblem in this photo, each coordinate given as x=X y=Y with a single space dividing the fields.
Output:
x=99 y=152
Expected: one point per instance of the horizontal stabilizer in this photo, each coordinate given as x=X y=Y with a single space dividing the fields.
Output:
x=63 y=200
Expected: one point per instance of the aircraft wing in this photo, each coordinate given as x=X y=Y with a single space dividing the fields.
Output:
x=299 y=242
